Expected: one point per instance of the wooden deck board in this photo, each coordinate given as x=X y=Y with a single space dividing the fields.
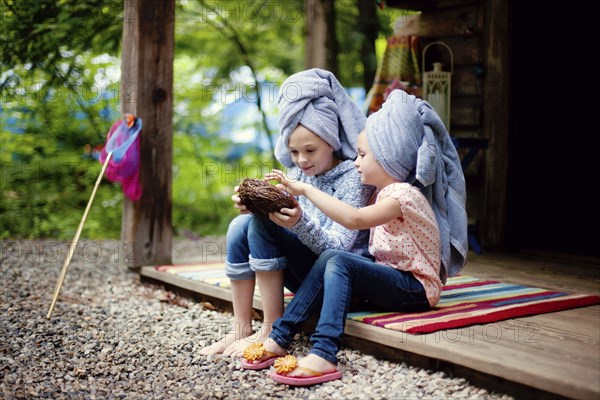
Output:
x=556 y=352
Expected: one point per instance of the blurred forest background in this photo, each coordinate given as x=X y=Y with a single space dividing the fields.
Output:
x=59 y=92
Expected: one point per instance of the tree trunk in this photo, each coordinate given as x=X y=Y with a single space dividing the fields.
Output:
x=368 y=24
x=320 y=36
x=146 y=91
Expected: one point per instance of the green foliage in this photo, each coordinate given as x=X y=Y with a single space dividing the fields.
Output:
x=201 y=195
x=49 y=35
x=47 y=173
x=59 y=96
x=212 y=32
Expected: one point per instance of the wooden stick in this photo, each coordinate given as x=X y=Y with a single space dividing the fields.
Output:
x=65 y=266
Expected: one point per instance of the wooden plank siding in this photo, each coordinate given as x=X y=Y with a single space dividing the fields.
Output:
x=478 y=34
x=493 y=210
x=462 y=26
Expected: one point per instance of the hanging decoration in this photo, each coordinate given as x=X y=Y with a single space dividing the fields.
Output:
x=437 y=88
x=399 y=69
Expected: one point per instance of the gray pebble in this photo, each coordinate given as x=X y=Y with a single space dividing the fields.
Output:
x=112 y=337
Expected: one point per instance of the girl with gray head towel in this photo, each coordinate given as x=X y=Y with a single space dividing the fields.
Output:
x=403 y=143
x=319 y=125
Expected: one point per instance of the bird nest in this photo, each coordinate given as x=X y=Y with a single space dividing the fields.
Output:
x=260 y=197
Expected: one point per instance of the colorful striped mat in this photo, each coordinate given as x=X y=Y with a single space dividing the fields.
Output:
x=465 y=301
x=209 y=273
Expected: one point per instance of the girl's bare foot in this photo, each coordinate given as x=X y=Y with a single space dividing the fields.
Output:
x=273 y=347
x=272 y=350
x=236 y=349
x=312 y=362
x=229 y=339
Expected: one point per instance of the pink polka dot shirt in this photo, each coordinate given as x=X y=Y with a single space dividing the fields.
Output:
x=411 y=242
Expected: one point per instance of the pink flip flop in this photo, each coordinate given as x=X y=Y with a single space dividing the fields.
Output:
x=255 y=352
x=259 y=365
x=289 y=363
x=314 y=378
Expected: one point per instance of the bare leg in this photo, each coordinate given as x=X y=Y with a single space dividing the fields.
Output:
x=270 y=285
x=242 y=293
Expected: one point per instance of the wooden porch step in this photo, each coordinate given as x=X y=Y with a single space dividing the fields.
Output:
x=554 y=355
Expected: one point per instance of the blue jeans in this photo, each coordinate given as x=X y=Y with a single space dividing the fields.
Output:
x=333 y=280
x=255 y=243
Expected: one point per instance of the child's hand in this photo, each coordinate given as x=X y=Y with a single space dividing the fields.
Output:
x=286 y=217
x=236 y=199
x=294 y=188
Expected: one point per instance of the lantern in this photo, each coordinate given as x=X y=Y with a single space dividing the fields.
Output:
x=436 y=85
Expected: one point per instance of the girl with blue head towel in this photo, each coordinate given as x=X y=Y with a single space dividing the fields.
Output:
x=319 y=125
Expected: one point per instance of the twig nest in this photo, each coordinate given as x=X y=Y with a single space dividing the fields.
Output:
x=260 y=197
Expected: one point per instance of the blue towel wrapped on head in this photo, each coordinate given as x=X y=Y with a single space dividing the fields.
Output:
x=316 y=100
x=411 y=143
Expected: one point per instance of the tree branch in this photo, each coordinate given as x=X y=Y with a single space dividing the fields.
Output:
x=232 y=34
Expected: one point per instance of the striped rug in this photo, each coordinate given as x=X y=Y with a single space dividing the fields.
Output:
x=465 y=300
x=210 y=273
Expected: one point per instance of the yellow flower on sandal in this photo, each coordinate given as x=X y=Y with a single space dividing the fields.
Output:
x=283 y=365
x=256 y=356
x=254 y=351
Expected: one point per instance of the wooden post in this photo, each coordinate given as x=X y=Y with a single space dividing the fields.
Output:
x=146 y=91
x=320 y=38
x=496 y=123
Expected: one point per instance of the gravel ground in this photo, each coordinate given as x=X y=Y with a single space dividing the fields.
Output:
x=111 y=336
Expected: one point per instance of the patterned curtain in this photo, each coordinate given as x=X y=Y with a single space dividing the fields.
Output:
x=399 y=69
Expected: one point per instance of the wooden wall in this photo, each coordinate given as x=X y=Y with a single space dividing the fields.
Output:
x=461 y=28
x=470 y=29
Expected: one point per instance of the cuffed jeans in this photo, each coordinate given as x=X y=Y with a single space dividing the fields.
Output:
x=333 y=280
x=255 y=243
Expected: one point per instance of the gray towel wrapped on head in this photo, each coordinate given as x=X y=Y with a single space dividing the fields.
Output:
x=411 y=143
x=316 y=100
